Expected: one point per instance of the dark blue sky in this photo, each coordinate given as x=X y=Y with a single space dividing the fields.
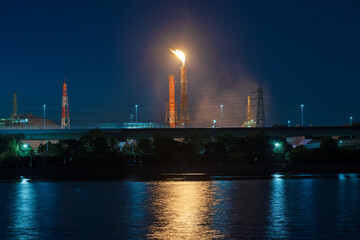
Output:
x=115 y=54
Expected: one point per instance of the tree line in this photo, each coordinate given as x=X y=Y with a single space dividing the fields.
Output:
x=202 y=148
x=96 y=150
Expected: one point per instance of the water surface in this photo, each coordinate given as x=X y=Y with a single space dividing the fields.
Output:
x=177 y=208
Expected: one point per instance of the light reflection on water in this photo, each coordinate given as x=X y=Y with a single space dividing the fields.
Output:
x=348 y=199
x=278 y=219
x=182 y=210
x=277 y=208
x=24 y=218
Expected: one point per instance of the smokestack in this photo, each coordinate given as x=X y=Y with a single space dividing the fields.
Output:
x=14 y=114
x=171 y=115
x=184 y=109
x=65 y=116
x=172 y=110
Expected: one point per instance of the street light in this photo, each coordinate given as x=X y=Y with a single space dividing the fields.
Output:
x=44 y=115
x=302 y=114
x=221 y=109
x=136 y=108
x=278 y=147
x=214 y=123
x=26 y=121
x=351 y=121
x=289 y=123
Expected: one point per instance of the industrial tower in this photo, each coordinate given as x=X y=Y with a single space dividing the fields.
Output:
x=65 y=117
x=249 y=116
x=184 y=109
x=260 y=115
x=14 y=114
x=171 y=110
x=184 y=120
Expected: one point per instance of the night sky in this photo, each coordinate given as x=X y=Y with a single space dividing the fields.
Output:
x=115 y=54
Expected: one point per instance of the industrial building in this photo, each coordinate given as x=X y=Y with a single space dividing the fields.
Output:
x=28 y=120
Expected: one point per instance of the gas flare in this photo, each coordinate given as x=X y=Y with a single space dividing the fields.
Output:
x=179 y=54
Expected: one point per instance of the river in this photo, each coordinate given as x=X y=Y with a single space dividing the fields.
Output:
x=298 y=207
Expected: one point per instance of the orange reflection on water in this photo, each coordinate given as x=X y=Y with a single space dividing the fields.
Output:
x=183 y=210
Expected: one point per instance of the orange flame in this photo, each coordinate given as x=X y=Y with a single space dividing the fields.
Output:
x=179 y=54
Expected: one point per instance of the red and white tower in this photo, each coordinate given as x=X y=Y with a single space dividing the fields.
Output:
x=65 y=117
x=171 y=111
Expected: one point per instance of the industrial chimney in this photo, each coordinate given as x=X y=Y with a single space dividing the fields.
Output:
x=171 y=113
x=184 y=109
x=14 y=114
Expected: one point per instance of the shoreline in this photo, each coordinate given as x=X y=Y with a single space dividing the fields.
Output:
x=189 y=172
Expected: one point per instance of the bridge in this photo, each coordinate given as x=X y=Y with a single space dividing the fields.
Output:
x=135 y=133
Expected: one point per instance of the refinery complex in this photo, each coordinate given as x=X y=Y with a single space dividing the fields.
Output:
x=29 y=121
x=173 y=117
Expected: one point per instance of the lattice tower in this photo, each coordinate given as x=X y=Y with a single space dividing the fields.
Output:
x=65 y=116
x=260 y=115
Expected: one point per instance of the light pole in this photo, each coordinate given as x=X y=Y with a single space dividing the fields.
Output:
x=136 y=108
x=289 y=123
x=26 y=121
x=351 y=123
x=44 y=115
x=302 y=114
x=221 y=110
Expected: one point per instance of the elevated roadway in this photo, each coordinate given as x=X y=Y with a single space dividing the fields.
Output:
x=122 y=133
